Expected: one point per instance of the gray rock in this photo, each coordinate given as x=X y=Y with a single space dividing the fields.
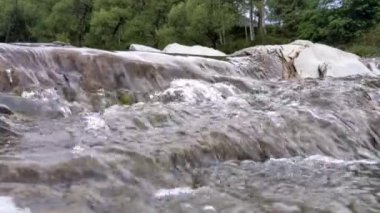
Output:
x=5 y=110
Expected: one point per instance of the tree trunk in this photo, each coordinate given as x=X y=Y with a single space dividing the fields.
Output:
x=8 y=30
x=246 y=32
x=261 y=17
x=221 y=31
x=213 y=38
x=82 y=28
x=251 y=21
x=224 y=36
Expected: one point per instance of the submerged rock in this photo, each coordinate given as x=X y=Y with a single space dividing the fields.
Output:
x=6 y=131
x=5 y=110
x=31 y=107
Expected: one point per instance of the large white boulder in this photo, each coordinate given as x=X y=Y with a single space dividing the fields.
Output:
x=330 y=61
x=192 y=50
x=305 y=59
x=142 y=48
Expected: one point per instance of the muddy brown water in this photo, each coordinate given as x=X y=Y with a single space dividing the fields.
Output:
x=220 y=142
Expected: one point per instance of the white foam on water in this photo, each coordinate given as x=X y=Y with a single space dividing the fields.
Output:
x=331 y=160
x=95 y=122
x=294 y=104
x=285 y=160
x=275 y=117
x=49 y=94
x=90 y=51
x=230 y=89
x=237 y=101
x=9 y=74
x=44 y=95
x=374 y=68
x=77 y=150
x=209 y=208
x=324 y=159
x=165 y=193
x=193 y=91
x=8 y=206
x=314 y=114
x=28 y=95
x=66 y=112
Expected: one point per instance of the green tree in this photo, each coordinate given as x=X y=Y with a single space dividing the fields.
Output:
x=16 y=21
x=201 y=22
x=69 y=21
x=330 y=21
x=115 y=24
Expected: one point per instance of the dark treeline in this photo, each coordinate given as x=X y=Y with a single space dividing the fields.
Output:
x=224 y=24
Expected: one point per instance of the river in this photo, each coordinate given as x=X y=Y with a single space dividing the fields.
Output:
x=209 y=138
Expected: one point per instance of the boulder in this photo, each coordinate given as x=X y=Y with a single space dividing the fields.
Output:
x=142 y=48
x=193 y=50
x=304 y=59
x=259 y=63
x=320 y=60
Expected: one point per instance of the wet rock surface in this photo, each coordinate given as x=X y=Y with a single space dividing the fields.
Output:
x=208 y=139
x=5 y=110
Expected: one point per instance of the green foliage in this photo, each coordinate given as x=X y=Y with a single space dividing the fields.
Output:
x=115 y=24
x=16 y=17
x=365 y=50
x=68 y=21
x=368 y=44
x=199 y=22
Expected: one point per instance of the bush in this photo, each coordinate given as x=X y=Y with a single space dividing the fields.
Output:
x=238 y=44
x=364 y=50
x=368 y=44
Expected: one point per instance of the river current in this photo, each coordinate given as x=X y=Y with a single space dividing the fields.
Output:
x=197 y=141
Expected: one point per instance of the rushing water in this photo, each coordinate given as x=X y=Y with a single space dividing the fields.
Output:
x=225 y=143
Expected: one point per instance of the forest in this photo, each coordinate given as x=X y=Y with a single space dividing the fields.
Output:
x=228 y=25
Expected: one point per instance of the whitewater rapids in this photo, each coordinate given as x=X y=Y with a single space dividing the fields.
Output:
x=246 y=134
